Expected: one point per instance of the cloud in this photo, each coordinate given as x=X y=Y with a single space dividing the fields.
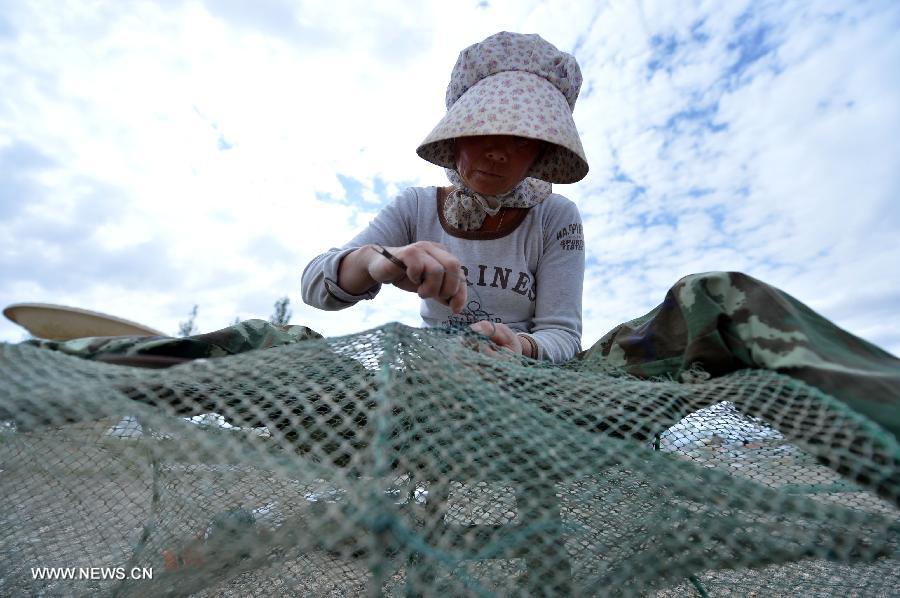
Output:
x=19 y=163
x=277 y=18
x=6 y=28
x=757 y=110
x=160 y=155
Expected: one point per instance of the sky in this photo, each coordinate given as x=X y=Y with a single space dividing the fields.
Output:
x=160 y=155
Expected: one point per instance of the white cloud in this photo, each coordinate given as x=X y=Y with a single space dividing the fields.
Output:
x=185 y=152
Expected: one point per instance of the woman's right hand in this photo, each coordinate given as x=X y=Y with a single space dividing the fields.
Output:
x=431 y=271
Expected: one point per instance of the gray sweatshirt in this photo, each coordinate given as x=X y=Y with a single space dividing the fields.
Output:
x=530 y=279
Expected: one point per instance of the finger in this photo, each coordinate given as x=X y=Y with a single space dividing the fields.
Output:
x=459 y=299
x=454 y=275
x=383 y=269
x=502 y=353
x=453 y=280
x=439 y=245
x=383 y=252
x=451 y=290
x=470 y=343
x=406 y=284
x=416 y=260
x=431 y=279
x=501 y=335
x=479 y=346
x=449 y=285
x=485 y=328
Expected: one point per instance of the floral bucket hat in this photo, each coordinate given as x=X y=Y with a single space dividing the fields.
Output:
x=514 y=84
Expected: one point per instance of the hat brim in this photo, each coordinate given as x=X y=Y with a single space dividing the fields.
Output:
x=58 y=322
x=513 y=103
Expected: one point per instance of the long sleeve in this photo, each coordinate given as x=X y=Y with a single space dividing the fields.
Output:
x=394 y=226
x=559 y=278
x=530 y=279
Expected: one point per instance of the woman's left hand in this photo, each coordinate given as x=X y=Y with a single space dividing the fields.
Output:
x=501 y=335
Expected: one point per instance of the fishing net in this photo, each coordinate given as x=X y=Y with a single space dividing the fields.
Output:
x=400 y=461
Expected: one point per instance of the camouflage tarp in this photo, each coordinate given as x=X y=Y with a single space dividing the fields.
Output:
x=714 y=323
x=164 y=351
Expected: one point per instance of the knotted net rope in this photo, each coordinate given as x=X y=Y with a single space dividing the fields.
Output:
x=399 y=461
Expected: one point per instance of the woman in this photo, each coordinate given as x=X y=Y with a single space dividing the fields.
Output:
x=497 y=250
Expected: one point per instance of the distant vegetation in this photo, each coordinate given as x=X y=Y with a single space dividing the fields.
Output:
x=280 y=317
x=188 y=327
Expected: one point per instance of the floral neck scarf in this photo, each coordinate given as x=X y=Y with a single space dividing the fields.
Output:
x=465 y=209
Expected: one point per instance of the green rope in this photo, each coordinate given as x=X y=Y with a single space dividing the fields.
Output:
x=698 y=586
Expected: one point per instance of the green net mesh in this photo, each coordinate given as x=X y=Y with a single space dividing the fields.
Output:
x=399 y=461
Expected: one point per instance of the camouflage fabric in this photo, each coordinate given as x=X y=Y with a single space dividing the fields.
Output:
x=164 y=351
x=714 y=323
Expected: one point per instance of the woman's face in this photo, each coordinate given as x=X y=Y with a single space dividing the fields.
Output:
x=494 y=164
